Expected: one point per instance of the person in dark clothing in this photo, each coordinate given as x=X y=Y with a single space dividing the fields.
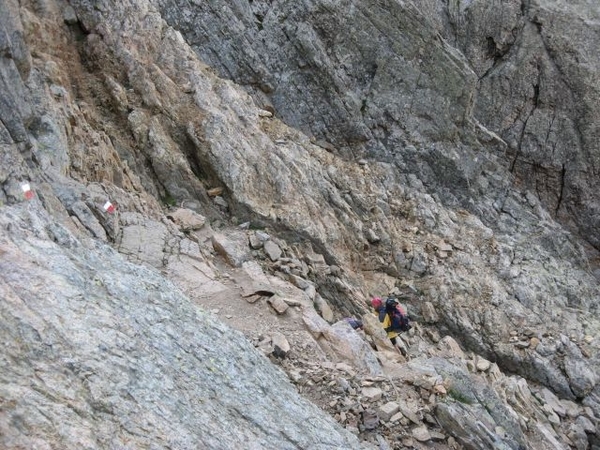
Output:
x=393 y=318
x=354 y=323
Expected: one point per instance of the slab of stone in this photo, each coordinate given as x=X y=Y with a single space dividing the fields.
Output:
x=450 y=347
x=186 y=219
x=88 y=219
x=429 y=312
x=387 y=411
x=323 y=308
x=410 y=414
x=421 y=434
x=396 y=417
x=281 y=346
x=278 y=304
x=483 y=364
x=144 y=242
x=232 y=247
x=371 y=394
x=571 y=408
x=272 y=250
x=553 y=402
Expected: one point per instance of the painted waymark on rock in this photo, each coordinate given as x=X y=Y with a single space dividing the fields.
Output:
x=27 y=192
x=109 y=207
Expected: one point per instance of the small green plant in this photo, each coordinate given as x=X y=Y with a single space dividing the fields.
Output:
x=168 y=199
x=459 y=396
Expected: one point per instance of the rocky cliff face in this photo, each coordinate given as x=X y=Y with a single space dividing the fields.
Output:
x=428 y=89
x=278 y=163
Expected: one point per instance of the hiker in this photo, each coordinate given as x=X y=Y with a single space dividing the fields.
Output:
x=394 y=320
x=354 y=323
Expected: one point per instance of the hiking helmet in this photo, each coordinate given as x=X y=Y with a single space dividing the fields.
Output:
x=376 y=302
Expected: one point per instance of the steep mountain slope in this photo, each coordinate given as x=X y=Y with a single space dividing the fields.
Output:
x=99 y=353
x=446 y=91
x=400 y=164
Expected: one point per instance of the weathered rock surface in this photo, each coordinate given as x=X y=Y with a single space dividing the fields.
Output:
x=100 y=353
x=366 y=76
x=522 y=283
x=446 y=153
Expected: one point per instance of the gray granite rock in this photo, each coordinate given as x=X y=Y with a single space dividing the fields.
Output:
x=105 y=345
x=461 y=134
